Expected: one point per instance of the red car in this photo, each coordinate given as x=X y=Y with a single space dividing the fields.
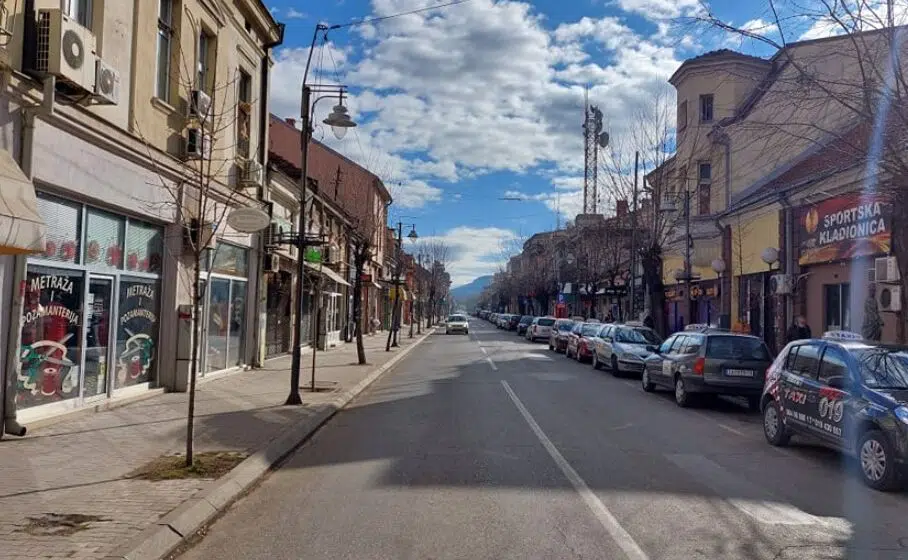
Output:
x=579 y=343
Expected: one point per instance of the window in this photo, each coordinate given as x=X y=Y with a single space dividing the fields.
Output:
x=833 y=366
x=693 y=345
x=63 y=240
x=706 y=108
x=206 y=54
x=837 y=298
x=165 y=37
x=682 y=116
x=79 y=10
x=805 y=362
x=667 y=345
x=737 y=348
x=244 y=114
x=104 y=239
x=704 y=181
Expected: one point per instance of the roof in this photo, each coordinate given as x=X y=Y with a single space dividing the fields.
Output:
x=717 y=55
x=324 y=165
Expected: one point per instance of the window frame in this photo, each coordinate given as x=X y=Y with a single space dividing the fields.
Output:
x=164 y=53
x=682 y=115
x=206 y=46
x=704 y=187
x=813 y=374
x=707 y=100
x=845 y=358
x=80 y=10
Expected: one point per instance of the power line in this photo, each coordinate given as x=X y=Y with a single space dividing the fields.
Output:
x=392 y=16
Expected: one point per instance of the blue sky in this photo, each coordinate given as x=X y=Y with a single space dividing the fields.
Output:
x=463 y=105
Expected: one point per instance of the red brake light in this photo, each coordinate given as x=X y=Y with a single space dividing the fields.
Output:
x=699 y=366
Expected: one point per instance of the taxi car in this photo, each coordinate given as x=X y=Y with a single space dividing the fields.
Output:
x=849 y=394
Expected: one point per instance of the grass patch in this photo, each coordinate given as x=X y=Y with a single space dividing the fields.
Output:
x=212 y=464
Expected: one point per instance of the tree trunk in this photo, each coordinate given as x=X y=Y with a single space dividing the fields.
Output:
x=358 y=310
x=652 y=278
x=194 y=362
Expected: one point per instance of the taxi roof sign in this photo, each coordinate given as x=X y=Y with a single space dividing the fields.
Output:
x=842 y=335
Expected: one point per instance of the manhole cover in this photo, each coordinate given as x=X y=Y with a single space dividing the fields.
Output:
x=320 y=387
x=59 y=524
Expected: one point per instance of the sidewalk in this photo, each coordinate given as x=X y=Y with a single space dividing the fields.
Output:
x=62 y=488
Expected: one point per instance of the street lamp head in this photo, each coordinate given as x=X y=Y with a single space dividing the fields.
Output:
x=718 y=266
x=339 y=121
x=770 y=255
x=412 y=236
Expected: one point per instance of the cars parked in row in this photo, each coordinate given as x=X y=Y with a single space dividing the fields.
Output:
x=840 y=390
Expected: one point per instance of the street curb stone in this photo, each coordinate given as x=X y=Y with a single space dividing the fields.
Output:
x=159 y=540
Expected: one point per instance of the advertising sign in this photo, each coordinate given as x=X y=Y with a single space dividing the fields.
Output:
x=844 y=227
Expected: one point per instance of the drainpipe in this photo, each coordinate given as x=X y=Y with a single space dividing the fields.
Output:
x=264 y=121
x=11 y=425
x=789 y=255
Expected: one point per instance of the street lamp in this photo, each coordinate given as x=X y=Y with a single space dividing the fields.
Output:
x=339 y=121
x=396 y=302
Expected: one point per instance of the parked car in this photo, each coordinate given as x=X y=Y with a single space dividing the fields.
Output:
x=579 y=342
x=623 y=348
x=500 y=320
x=849 y=394
x=711 y=361
x=559 y=334
x=457 y=323
x=524 y=323
x=513 y=321
x=541 y=327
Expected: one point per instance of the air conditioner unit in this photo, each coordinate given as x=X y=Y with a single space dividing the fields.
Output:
x=887 y=270
x=65 y=49
x=780 y=284
x=272 y=262
x=273 y=235
x=250 y=173
x=871 y=275
x=889 y=298
x=198 y=144
x=199 y=105
x=107 y=83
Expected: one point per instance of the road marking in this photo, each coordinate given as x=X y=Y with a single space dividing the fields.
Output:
x=732 y=430
x=491 y=363
x=621 y=537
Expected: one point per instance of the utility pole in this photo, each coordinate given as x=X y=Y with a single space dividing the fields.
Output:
x=392 y=334
x=633 y=286
x=687 y=247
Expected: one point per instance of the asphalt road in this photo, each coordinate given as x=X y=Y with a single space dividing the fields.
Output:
x=488 y=447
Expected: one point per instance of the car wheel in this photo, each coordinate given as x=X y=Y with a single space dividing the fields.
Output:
x=877 y=462
x=595 y=360
x=447 y=332
x=551 y=348
x=466 y=332
x=646 y=383
x=682 y=397
x=774 y=428
x=614 y=366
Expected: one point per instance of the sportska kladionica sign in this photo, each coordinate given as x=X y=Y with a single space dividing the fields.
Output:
x=844 y=227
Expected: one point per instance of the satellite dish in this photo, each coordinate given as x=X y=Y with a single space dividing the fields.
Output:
x=603 y=140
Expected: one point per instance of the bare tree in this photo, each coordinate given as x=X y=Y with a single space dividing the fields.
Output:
x=216 y=142
x=846 y=95
x=438 y=252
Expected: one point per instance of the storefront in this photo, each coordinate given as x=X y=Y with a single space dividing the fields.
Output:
x=279 y=309
x=225 y=288
x=705 y=302
x=89 y=327
x=329 y=287
x=839 y=239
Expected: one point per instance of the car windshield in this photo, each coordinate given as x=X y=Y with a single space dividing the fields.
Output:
x=884 y=368
x=456 y=319
x=590 y=329
x=736 y=348
x=566 y=327
x=546 y=322
x=637 y=336
x=526 y=320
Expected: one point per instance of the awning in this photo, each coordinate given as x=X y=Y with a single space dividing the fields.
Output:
x=21 y=227
x=327 y=273
x=404 y=296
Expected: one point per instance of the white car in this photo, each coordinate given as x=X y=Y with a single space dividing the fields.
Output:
x=541 y=327
x=457 y=323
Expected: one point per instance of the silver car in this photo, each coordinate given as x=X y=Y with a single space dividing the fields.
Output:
x=624 y=348
x=541 y=327
x=457 y=323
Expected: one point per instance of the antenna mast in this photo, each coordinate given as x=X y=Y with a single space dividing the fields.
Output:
x=593 y=139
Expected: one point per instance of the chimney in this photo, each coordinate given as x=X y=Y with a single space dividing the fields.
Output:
x=621 y=208
x=291 y=121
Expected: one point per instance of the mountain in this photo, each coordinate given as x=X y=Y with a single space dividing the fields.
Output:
x=469 y=292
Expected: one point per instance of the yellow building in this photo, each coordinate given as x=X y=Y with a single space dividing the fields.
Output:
x=115 y=113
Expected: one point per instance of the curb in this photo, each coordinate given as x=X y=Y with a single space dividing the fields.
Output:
x=176 y=527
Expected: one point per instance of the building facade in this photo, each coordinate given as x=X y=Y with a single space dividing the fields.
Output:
x=111 y=127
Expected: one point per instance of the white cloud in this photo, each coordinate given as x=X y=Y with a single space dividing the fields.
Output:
x=474 y=251
x=293 y=13
x=661 y=9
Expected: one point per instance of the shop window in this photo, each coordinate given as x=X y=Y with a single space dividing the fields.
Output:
x=144 y=246
x=236 y=347
x=230 y=259
x=51 y=336
x=104 y=239
x=837 y=312
x=64 y=227
x=226 y=344
x=137 y=331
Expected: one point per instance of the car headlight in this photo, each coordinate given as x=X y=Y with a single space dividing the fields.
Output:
x=630 y=357
x=901 y=412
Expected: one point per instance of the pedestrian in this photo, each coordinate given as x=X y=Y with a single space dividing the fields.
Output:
x=799 y=330
x=872 y=328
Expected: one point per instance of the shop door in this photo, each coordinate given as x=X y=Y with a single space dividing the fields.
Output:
x=99 y=306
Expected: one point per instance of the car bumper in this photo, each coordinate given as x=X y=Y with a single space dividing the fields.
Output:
x=738 y=388
x=630 y=366
x=457 y=329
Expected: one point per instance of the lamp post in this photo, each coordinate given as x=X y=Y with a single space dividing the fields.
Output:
x=339 y=122
x=395 y=303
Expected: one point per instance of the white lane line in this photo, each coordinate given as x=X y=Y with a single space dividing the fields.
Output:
x=491 y=363
x=621 y=537
x=732 y=430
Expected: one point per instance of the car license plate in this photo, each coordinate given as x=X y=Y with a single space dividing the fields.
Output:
x=740 y=372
